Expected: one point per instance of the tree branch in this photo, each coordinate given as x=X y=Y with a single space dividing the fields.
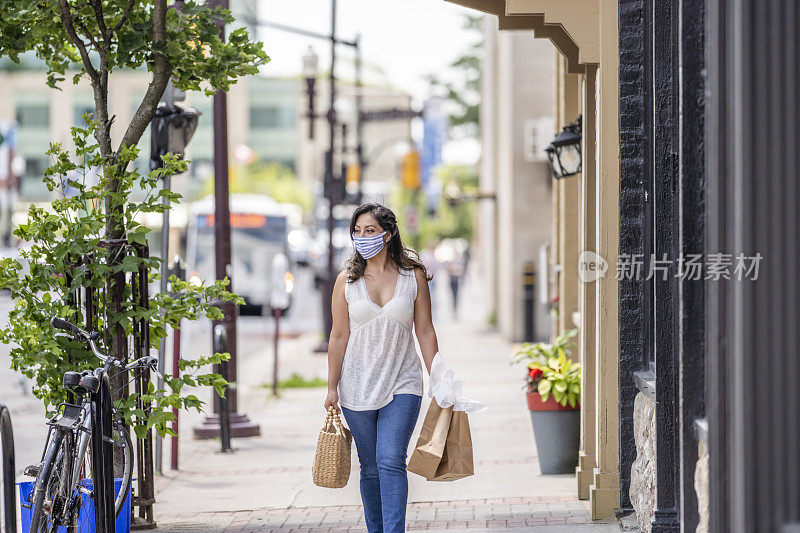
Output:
x=66 y=19
x=161 y=75
x=101 y=22
x=88 y=34
x=124 y=18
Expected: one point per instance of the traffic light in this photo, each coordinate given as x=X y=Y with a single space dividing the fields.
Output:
x=353 y=175
x=409 y=171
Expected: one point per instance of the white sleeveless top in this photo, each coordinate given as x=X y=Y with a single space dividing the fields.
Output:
x=380 y=359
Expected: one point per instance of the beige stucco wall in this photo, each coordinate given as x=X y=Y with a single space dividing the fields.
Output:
x=517 y=87
x=586 y=33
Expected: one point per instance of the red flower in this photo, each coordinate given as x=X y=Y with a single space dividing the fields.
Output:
x=534 y=373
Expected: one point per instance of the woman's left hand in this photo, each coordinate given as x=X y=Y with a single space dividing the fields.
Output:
x=332 y=400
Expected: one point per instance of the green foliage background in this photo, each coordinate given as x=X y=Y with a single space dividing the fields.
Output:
x=93 y=40
x=44 y=284
x=451 y=220
x=463 y=90
x=273 y=179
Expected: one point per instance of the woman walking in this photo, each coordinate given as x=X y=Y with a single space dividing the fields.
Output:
x=374 y=371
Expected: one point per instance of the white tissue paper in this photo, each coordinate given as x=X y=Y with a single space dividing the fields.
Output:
x=447 y=391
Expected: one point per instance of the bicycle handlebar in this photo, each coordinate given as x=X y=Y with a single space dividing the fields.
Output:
x=60 y=323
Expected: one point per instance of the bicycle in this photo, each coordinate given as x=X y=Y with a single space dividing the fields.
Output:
x=76 y=428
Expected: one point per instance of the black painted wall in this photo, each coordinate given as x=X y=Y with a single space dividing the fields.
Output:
x=662 y=211
x=633 y=171
x=692 y=218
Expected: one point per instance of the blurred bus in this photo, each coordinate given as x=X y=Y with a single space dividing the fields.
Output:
x=259 y=229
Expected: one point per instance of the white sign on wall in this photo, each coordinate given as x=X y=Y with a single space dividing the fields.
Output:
x=536 y=135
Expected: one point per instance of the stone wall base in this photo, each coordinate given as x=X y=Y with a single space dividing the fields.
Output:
x=643 y=469
x=701 y=487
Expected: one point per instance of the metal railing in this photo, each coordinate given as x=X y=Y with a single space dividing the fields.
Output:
x=7 y=472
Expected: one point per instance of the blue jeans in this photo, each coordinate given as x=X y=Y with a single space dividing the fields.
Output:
x=382 y=437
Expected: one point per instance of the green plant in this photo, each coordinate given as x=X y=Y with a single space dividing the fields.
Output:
x=297 y=381
x=550 y=371
x=93 y=40
x=58 y=241
x=491 y=319
x=463 y=91
x=542 y=351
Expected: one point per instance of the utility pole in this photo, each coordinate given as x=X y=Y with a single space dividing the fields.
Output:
x=359 y=124
x=330 y=189
x=222 y=213
x=241 y=426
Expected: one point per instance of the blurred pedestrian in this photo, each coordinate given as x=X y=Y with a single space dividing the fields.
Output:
x=374 y=371
x=9 y=184
x=455 y=270
x=434 y=266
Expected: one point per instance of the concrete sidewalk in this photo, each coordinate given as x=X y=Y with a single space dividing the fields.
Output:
x=265 y=484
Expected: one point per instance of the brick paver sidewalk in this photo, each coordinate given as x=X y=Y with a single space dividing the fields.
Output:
x=494 y=513
x=265 y=485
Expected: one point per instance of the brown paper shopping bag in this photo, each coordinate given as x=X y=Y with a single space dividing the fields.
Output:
x=430 y=446
x=456 y=460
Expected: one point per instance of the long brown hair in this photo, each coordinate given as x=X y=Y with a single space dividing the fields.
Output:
x=400 y=255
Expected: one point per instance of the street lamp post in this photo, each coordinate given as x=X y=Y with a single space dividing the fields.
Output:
x=359 y=124
x=310 y=67
x=241 y=425
x=330 y=189
x=331 y=182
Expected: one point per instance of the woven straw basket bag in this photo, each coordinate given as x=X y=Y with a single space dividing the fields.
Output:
x=331 y=466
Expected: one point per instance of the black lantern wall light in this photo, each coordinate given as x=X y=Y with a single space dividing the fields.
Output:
x=564 y=152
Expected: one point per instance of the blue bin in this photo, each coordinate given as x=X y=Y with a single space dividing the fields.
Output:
x=86 y=515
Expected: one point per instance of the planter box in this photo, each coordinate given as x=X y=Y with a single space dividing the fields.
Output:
x=557 y=430
x=86 y=515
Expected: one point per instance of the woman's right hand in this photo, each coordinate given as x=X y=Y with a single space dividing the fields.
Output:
x=332 y=399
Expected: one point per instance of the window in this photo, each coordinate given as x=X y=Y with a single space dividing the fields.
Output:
x=272 y=117
x=34 y=115
x=32 y=185
x=79 y=110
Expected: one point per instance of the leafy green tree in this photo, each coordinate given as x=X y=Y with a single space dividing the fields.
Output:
x=50 y=277
x=94 y=39
x=463 y=90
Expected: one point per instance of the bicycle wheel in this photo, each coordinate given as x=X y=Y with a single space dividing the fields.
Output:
x=50 y=488
x=122 y=439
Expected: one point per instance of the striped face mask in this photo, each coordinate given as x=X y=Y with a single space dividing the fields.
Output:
x=369 y=246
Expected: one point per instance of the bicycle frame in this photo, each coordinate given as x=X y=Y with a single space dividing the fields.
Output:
x=77 y=436
x=92 y=419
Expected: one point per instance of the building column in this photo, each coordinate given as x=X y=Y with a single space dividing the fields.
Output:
x=569 y=205
x=555 y=241
x=587 y=289
x=555 y=255
x=604 y=492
